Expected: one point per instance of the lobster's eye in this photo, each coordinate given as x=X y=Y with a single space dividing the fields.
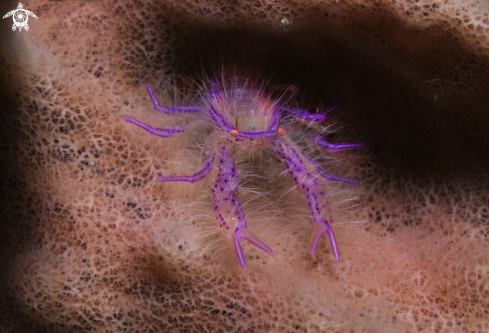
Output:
x=280 y=132
x=234 y=133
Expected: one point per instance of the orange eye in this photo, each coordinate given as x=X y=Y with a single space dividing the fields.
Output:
x=280 y=132
x=234 y=133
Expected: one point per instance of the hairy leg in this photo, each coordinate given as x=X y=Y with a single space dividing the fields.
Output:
x=304 y=175
x=331 y=146
x=161 y=132
x=305 y=115
x=208 y=156
x=228 y=210
x=169 y=110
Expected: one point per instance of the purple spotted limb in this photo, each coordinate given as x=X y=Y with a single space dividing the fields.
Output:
x=227 y=208
x=161 y=132
x=208 y=157
x=304 y=175
x=330 y=146
x=169 y=110
x=306 y=115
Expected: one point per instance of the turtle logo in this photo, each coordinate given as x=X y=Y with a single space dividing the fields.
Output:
x=20 y=18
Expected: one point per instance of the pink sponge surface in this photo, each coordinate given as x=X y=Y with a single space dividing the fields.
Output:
x=91 y=241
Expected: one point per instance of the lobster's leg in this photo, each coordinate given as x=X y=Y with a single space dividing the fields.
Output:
x=325 y=175
x=227 y=209
x=331 y=146
x=161 y=132
x=308 y=116
x=172 y=109
x=208 y=156
x=304 y=175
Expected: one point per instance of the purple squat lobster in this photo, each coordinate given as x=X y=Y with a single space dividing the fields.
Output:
x=239 y=112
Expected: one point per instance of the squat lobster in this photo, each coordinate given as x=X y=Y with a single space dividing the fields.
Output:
x=240 y=113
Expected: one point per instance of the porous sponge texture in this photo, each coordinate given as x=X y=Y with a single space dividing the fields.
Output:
x=91 y=242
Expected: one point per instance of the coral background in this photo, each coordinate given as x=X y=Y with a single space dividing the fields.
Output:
x=91 y=242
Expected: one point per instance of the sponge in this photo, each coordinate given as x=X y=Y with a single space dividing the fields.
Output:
x=90 y=241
